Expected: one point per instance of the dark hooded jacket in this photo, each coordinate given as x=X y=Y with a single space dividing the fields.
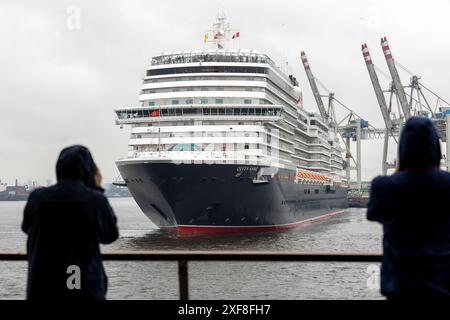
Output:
x=414 y=209
x=65 y=224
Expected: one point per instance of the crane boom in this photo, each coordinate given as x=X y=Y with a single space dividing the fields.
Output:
x=315 y=90
x=395 y=78
x=376 y=86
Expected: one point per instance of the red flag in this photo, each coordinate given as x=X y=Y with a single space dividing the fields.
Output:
x=236 y=35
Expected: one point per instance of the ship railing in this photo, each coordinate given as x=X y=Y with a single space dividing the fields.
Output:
x=184 y=257
x=252 y=154
x=225 y=117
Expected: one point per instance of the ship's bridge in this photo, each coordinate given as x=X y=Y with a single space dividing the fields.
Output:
x=221 y=55
x=250 y=61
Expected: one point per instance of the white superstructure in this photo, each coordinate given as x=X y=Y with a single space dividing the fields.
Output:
x=227 y=106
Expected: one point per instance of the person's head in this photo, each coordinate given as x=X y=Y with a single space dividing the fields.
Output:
x=76 y=162
x=419 y=146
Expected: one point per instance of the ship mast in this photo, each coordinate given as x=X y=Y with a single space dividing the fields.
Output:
x=220 y=34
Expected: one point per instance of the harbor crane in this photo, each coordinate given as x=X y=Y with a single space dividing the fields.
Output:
x=312 y=82
x=407 y=105
x=395 y=110
x=397 y=84
x=352 y=127
x=391 y=125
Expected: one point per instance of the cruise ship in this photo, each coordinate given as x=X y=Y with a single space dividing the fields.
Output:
x=220 y=142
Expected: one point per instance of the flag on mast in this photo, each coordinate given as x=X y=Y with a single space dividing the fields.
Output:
x=205 y=38
x=236 y=35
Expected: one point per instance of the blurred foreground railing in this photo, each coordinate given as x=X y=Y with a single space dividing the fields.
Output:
x=184 y=256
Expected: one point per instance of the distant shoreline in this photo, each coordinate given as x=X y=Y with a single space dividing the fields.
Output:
x=26 y=198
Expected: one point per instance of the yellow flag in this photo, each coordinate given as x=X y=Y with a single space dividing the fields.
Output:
x=206 y=37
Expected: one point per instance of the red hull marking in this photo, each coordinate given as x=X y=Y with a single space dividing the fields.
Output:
x=187 y=229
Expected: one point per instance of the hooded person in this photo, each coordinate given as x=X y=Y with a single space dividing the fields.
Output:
x=412 y=206
x=65 y=224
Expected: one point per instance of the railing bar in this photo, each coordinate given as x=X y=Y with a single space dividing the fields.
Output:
x=183 y=279
x=223 y=256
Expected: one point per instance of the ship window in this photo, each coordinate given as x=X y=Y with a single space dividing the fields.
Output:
x=244 y=111
x=251 y=111
x=258 y=111
x=221 y=111
x=206 y=111
x=248 y=89
x=176 y=89
x=219 y=101
x=189 y=111
x=229 y=111
x=204 y=89
x=220 y=89
x=151 y=103
x=179 y=112
x=237 y=111
x=247 y=101
x=175 y=101
x=316 y=191
x=246 y=146
x=189 y=101
x=203 y=101
x=164 y=112
x=190 y=89
x=207 y=69
x=214 y=111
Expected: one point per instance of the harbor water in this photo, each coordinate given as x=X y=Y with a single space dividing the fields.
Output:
x=350 y=232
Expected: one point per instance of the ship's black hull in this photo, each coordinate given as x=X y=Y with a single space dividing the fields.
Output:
x=225 y=197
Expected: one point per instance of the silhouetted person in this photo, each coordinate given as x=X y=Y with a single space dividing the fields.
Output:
x=65 y=224
x=413 y=206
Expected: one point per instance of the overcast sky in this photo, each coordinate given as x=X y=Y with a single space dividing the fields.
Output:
x=59 y=84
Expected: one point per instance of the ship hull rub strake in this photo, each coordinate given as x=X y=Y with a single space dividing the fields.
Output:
x=223 y=197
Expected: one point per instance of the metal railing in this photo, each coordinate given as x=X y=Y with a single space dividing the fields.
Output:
x=183 y=257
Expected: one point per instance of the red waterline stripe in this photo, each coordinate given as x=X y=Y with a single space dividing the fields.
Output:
x=187 y=229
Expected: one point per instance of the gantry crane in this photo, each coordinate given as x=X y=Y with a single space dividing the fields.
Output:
x=391 y=125
x=399 y=90
x=312 y=82
x=351 y=128
x=413 y=107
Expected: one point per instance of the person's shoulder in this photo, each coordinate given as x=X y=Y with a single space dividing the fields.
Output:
x=444 y=177
x=444 y=174
x=381 y=181
x=98 y=195
x=39 y=192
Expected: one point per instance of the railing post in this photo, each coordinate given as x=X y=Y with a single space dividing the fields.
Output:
x=183 y=279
